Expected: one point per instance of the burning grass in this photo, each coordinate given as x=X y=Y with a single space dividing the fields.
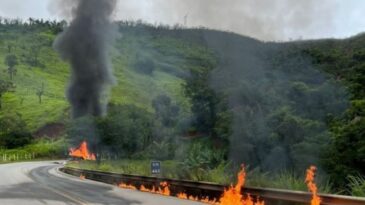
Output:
x=231 y=196
x=220 y=174
x=312 y=187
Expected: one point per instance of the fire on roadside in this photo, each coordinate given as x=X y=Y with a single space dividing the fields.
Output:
x=163 y=189
x=312 y=187
x=82 y=152
x=231 y=196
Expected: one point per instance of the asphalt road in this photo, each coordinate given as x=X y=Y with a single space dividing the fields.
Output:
x=41 y=183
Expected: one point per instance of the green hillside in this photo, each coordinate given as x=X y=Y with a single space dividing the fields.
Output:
x=134 y=86
x=274 y=106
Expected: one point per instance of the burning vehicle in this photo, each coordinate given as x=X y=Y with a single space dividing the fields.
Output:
x=82 y=152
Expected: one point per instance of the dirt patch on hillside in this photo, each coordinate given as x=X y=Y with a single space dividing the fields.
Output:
x=51 y=130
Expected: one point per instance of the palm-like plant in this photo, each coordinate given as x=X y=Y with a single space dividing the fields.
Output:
x=201 y=159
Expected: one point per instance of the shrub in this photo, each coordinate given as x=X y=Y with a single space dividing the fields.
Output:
x=200 y=159
x=126 y=130
x=13 y=131
x=15 y=139
x=145 y=66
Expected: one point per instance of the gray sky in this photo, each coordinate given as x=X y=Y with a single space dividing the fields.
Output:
x=262 y=19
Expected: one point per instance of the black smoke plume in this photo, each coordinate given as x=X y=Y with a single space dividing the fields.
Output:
x=85 y=44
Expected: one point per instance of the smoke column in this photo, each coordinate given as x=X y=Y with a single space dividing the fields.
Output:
x=84 y=44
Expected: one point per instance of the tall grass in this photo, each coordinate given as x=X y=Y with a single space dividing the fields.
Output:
x=137 y=167
x=284 y=180
x=356 y=185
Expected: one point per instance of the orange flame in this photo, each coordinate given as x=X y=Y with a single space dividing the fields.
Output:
x=165 y=190
x=233 y=196
x=82 y=152
x=182 y=195
x=309 y=179
x=127 y=186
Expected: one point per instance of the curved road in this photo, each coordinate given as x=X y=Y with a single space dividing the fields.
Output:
x=41 y=183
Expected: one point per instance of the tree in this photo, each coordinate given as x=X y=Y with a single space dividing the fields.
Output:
x=4 y=88
x=34 y=53
x=295 y=139
x=34 y=48
x=127 y=129
x=10 y=46
x=347 y=149
x=211 y=115
x=11 y=60
x=346 y=153
x=165 y=110
x=23 y=94
x=12 y=43
x=40 y=93
x=145 y=65
x=13 y=131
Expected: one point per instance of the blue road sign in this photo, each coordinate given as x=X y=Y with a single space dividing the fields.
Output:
x=155 y=167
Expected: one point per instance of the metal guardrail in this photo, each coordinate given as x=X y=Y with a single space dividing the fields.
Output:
x=211 y=190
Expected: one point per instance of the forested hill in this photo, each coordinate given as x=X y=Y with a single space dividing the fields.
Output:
x=271 y=105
